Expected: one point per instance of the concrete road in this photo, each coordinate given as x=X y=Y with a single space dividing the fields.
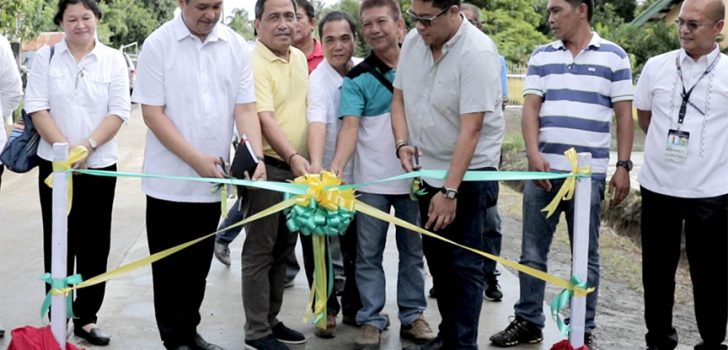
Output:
x=128 y=313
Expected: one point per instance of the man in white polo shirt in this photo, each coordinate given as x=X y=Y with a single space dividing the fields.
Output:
x=682 y=105
x=573 y=87
x=447 y=103
x=194 y=79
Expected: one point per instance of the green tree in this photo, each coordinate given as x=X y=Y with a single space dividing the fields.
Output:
x=512 y=25
x=23 y=19
x=240 y=23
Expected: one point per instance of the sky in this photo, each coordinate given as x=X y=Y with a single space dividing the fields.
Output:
x=249 y=5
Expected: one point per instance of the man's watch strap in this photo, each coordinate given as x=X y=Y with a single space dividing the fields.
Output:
x=626 y=164
x=449 y=193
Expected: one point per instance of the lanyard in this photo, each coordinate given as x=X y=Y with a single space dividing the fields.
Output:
x=686 y=94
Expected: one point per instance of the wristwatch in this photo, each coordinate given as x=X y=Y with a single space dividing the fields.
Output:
x=449 y=193
x=92 y=143
x=627 y=164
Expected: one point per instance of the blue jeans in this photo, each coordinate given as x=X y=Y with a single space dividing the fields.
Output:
x=235 y=214
x=457 y=274
x=371 y=239
x=538 y=232
x=492 y=238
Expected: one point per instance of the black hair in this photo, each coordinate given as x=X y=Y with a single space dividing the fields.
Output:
x=589 y=7
x=89 y=4
x=260 y=7
x=307 y=7
x=337 y=16
x=443 y=4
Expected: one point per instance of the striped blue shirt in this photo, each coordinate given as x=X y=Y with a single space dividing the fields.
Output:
x=577 y=95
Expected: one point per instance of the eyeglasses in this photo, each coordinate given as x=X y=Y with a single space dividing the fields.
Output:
x=692 y=25
x=426 y=21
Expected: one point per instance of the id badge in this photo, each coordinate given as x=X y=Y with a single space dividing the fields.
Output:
x=677 y=145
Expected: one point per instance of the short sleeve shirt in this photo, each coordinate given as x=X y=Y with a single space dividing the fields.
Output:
x=578 y=94
x=198 y=84
x=363 y=96
x=280 y=88
x=466 y=79
x=705 y=170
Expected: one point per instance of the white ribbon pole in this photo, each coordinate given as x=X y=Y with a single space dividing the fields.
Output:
x=59 y=244
x=580 y=254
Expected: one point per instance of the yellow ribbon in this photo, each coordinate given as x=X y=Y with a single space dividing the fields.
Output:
x=76 y=153
x=564 y=284
x=121 y=270
x=323 y=188
x=566 y=192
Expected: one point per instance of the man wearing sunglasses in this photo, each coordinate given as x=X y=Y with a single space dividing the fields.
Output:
x=682 y=105
x=573 y=88
x=447 y=101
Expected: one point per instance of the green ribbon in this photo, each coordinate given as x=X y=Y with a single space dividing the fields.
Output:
x=561 y=301
x=59 y=284
x=315 y=220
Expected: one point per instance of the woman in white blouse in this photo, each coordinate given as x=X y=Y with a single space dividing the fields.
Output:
x=78 y=93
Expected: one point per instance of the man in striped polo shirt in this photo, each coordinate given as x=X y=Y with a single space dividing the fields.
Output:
x=573 y=86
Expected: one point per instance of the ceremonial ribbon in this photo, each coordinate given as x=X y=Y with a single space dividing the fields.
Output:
x=324 y=210
x=76 y=153
x=562 y=283
x=59 y=287
x=562 y=300
x=566 y=192
x=167 y=252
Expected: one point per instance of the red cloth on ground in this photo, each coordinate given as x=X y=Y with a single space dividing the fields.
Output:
x=31 y=338
x=566 y=345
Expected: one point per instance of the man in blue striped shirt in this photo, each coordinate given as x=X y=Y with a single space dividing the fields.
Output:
x=573 y=87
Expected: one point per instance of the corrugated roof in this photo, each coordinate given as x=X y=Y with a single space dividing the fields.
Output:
x=652 y=11
x=43 y=39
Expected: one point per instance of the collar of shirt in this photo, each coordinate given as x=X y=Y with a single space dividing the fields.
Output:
x=454 y=40
x=181 y=31
x=701 y=62
x=374 y=61
x=62 y=47
x=268 y=54
x=317 y=52
x=595 y=42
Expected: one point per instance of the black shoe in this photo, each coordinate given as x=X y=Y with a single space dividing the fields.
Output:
x=269 y=342
x=703 y=346
x=287 y=335
x=434 y=344
x=433 y=293
x=95 y=337
x=518 y=332
x=182 y=347
x=2 y=332
x=492 y=289
x=202 y=344
x=590 y=340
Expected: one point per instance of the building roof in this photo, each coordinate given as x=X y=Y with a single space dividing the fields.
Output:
x=656 y=11
x=43 y=39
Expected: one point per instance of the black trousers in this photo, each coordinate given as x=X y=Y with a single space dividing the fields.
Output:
x=180 y=279
x=705 y=222
x=89 y=234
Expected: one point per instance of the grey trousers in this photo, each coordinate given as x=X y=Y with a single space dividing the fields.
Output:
x=267 y=245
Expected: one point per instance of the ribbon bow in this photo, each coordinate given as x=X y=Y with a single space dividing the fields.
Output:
x=58 y=287
x=324 y=210
x=566 y=192
x=561 y=301
x=77 y=153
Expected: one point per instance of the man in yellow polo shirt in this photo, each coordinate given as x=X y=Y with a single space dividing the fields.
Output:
x=281 y=83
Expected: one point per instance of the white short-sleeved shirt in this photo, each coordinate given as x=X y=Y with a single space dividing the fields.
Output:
x=79 y=96
x=324 y=95
x=11 y=89
x=704 y=173
x=466 y=79
x=199 y=84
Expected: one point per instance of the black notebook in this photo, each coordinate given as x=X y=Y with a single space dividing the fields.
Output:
x=244 y=160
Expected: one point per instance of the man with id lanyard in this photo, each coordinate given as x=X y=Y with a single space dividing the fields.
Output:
x=682 y=105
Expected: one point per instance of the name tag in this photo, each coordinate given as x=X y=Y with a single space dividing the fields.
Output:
x=677 y=145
